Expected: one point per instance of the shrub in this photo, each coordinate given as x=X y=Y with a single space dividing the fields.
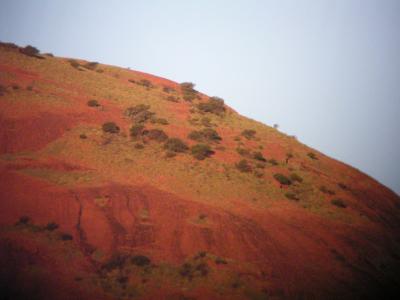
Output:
x=243 y=152
x=206 y=134
x=343 y=186
x=339 y=203
x=288 y=157
x=259 y=156
x=139 y=113
x=220 y=261
x=110 y=127
x=117 y=261
x=82 y=136
x=273 y=162
x=172 y=99
x=24 y=220
x=51 y=226
x=66 y=237
x=91 y=65
x=206 y=122
x=30 y=51
x=168 y=89
x=93 y=103
x=170 y=154
x=139 y=146
x=292 y=196
x=214 y=105
x=282 y=179
x=325 y=190
x=161 y=121
x=136 y=131
x=312 y=155
x=188 y=91
x=201 y=151
x=15 y=87
x=249 y=133
x=244 y=166
x=157 y=135
x=75 y=64
x=146 y=83
x=295 y=177
x=140 y=260
x=175 y=145
x=49 y=54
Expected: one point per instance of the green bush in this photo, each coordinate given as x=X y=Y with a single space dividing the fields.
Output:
x=157 y=135
x=282 y=179
x=295 y=177
x=110 y=127
x=201 y=151
x=140 y=260
x=339 y=203
x=214 y=105
x=312 y=155
x=244 y=166
x=175 y=145
x=259 y=156
x=30 y=51
x=139 y=113
x=326 y=190
x=93 y=103
x=249 y=133
x=188 y=91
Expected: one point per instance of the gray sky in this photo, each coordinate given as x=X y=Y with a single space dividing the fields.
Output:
x=326 y=71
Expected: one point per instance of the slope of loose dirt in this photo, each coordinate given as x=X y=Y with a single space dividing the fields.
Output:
x=86 y=214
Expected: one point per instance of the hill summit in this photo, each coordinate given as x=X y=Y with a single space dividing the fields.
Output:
x=117 y=184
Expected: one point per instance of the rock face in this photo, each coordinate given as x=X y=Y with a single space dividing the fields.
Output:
x=92 y=213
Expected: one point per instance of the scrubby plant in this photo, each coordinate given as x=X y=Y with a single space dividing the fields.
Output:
x=157 y=135
x=343 y=186
x=82 y=136
x=203 y=135
x=206 y=122
x=3 y=90
x=312 y=155
x=273 y=161
x=288 y=157
x=168 y=89
x=296 y=178
x=244 y=166
x=24 y=220
x=117 y=261
x=259 y=156
x=175 y=145
x=188 y=91
x=30 y=51
x=292 y=196
x=214 y=105
x=249 y=133
x=201 y=151
x=49 y=54
x=243 y=152
x=146 y=83
x=91 y=65
x=140 y=260
x=110 y=127
x=51 y=226
x=161 y=121
x=139 y=146
x=326 y=190
x=172 y=99
x=66 y=237
x=220 y=261
x=139 y=113
x=75 y=64
x=136 y=131
x=282 y=179
x=15 y=87
x=93 y=103
x=339 y=202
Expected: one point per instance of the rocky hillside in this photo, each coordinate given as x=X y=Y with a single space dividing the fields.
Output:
x=117 y=184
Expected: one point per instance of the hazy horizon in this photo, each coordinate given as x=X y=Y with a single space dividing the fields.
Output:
x=325 y=71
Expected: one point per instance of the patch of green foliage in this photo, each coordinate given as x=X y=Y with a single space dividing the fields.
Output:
x=249 y=133
x=214 y=105
x=188 y=91
x=201 y=151
x=282 y=179
x=175 y=145
x=205 y=135
x=110 y=127
x=312 y=155
x=244 y=166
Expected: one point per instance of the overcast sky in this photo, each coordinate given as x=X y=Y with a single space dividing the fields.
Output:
x=325 y=71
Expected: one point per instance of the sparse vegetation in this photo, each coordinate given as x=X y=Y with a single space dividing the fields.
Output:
x=172 y=99
x=273 y=162
x=139 y=113
x=110 y=127
x=282 y=179
x=3 y=90
x=343 y=186
x=82 y=136
x=139 y=146
x=140 y=260
x=339 y=202
x=312 y=155
x=156 y=135
x=214 y=105
x=175 y=145
x=75 y=64
x=326 y=190
x=292 y=196
x=244 y=166
x=30 y=51
x=248 y=133
x=136 y=131
x=188 y=91
x=201 y=151
x=66 y=237
x=51 y=226
x=205 y=135
x=294 y=177
x=91 y=65
x=24 y=220
x=160 y=121
x=168 y=89
x=93 y=103
x=259 y=156
x=146 y=83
